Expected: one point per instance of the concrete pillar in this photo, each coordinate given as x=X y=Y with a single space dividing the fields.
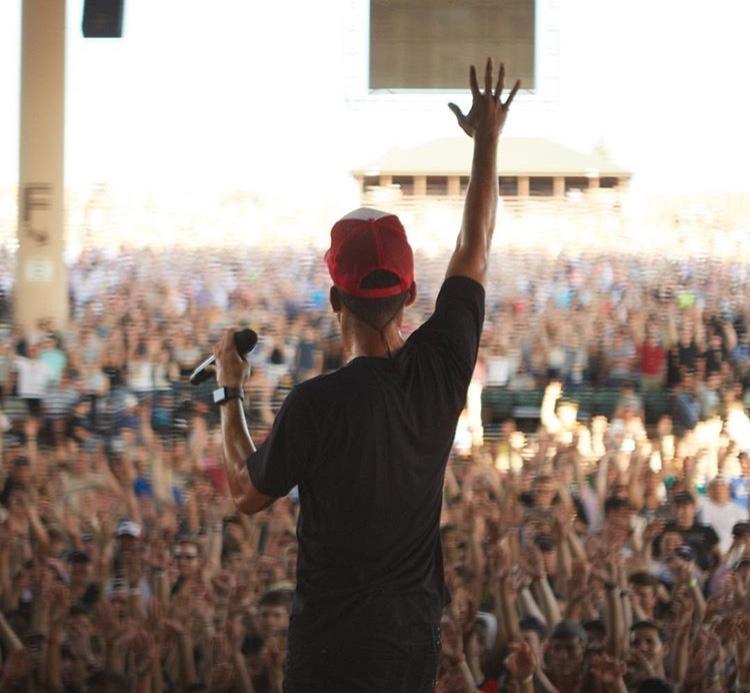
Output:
x=454 y=185
x=558 y=186
x=523 y=186
x=593 y=182
x=41 y=288
x=420 y=185
x=385 y=181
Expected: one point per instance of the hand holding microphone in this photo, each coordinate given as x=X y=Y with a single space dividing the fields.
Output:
x=228 y=359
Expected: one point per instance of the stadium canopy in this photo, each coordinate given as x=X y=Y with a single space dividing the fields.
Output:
x=530 y=166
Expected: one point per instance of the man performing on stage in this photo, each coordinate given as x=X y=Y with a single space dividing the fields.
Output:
x=367 y=444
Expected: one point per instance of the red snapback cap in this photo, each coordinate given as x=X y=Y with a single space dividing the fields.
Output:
x=364 y=241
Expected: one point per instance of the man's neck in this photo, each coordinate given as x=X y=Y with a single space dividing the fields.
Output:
x=365 y=341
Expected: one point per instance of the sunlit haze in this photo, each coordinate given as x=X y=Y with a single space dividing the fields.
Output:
x=272 y=97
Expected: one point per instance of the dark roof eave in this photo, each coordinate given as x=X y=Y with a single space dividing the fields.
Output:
x=534 y=174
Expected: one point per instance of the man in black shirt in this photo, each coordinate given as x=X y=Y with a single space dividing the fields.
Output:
x=367 y=444
x=701 y=538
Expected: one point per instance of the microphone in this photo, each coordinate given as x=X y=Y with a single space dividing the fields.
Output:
x=244 y=342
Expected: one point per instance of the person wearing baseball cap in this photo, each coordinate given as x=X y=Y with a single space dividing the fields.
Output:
x=367 y=444
x=372 y=268
x=700 y=537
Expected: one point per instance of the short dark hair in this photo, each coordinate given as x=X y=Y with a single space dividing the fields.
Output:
x=448 y=527
x=644 y=579
x=683 y=498
x=651 y=625
x=654 y=685
x=376 y=312
x=276 y=598
x=613 y=503
x=568 y=629
x=533 y=623
x=78 y=556
x=595 y=627
x=542 y=479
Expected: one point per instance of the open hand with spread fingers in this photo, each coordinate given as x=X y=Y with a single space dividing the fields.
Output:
x=488 y=111
x=521 y=663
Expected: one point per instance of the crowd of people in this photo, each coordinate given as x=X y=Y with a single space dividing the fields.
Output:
x=586 y=555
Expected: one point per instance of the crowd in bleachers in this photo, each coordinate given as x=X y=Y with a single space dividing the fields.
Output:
x=595 y=506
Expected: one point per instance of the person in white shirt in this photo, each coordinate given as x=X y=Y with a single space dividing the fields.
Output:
x=720 y=512
x=141 y=372
x=33 y=378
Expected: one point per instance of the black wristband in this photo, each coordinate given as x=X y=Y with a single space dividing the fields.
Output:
x=224 y=394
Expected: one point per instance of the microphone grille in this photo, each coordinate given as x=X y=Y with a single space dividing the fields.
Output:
x=245 y=341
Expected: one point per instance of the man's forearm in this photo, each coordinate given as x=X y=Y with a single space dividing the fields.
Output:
x=467 y=678
x=8 y=636
x=510 y=614
x=546 y=600
x=681 y=644
x=614 y=621
x=53 y=659
x=529 y=607
x=238 y=446
x=481 y=198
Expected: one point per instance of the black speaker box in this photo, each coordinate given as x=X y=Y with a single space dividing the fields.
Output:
x=102 y=18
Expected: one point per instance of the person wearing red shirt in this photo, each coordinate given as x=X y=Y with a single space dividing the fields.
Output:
x=651 y=358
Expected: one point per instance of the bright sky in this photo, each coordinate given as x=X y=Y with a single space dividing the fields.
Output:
x=231 y=94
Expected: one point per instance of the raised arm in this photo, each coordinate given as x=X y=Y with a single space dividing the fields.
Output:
x=483 y=123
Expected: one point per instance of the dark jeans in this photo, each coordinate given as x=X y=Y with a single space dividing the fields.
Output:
x=398 y=662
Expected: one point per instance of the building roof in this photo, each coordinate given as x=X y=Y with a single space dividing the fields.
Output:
x=521 y=156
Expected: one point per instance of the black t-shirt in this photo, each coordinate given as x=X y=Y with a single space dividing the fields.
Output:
x=367 y=445
x=116 y=375
x=688 y=355
x=674 y=374
x=714 y=359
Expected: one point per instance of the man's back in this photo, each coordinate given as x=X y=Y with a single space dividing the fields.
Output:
x=367 y=445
